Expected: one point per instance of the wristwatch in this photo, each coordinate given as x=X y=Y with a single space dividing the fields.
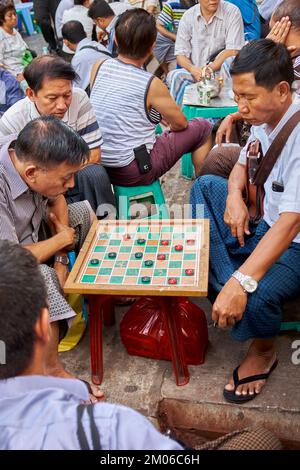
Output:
x=247 y=282
x=63 y=259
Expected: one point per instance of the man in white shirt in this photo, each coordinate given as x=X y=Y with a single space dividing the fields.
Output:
x=205 y=30
x=104 y=18
x=50 y=92
x=87 y=52
x=79 y=12
x=254 y=268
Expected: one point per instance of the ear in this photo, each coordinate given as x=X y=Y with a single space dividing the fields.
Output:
x=66 y=43
x=42 y=326
x=284 y=90
x=30 y=173
x=30 y=94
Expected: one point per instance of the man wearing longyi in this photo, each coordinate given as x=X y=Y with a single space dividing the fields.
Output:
x=254 y=268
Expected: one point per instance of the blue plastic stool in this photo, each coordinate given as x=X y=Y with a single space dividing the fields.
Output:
x=290 y=325
x=126 y=194
x=23 y=12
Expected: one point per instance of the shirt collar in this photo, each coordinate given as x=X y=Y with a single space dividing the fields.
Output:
x=112 y=24
x=288 y=114
x=16 y=183
x=82 y=43
x=217 y=14
x=24 y=384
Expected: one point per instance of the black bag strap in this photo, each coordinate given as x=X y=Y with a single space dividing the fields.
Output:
x=81 y=434
x=275 y=150
x=96 y=49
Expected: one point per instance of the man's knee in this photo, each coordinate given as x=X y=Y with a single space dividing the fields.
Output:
x=220 y=161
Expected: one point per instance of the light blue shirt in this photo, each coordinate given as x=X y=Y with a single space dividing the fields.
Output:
x=84 y=59
x=62 y=7
x=285 y=171
x=40 y=413
x=267 y=7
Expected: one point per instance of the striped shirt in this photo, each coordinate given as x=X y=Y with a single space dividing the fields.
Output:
x=198 y=40
x=80 y=117
x=171 y=14
x=119 y=99
x=21 y=210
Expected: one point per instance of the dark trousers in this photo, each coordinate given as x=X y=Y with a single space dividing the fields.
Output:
x=45 y=15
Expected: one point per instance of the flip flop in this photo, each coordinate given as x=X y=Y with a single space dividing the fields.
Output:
x=230 y=395
x=88 y=386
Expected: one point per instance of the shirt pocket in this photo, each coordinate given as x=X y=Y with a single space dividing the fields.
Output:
x=274 y=203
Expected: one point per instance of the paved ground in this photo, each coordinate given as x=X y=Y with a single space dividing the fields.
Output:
x=197 y=410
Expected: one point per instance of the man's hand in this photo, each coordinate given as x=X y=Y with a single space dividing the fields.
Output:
x=280 y=30
x=225 y=130
x=230 y=304
x=62 y=273
x=236 y=216
x=197 y=73
x=67 y=233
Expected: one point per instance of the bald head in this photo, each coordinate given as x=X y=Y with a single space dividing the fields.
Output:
x=290 y=8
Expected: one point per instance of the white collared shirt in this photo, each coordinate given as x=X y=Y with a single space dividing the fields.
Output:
x=285 y=171
x=198 y=40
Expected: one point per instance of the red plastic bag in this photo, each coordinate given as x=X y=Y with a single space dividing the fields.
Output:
x=143 y=331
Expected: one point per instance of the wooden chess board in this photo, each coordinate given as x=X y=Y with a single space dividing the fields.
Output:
x=143 y=257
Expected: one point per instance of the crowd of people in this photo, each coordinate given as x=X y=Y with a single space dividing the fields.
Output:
x=75 y=122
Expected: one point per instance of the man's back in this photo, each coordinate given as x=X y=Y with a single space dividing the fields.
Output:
x=38 y=412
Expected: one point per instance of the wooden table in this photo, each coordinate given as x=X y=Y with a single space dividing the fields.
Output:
x=99 y=275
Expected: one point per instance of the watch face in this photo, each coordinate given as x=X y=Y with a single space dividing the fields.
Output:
x=250 y=285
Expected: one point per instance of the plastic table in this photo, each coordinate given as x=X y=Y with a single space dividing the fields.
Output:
x=23 y=12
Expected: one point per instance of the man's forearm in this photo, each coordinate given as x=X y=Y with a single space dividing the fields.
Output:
x=218 y=62
x=272 y=245
x=237 y=179
x=164 y=32
x=184 y=62
x=59 y=207
x=44 y=250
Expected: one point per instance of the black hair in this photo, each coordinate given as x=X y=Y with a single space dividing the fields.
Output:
x=290 y=8
x=100 y=9
x=6 y=6
x=22 y=296
x=49 y=142
x=79 y=2
x=135 y=33
x=269 y=61
x=47 y=67
x=73 y=31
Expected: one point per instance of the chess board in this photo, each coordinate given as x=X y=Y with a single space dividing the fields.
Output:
x=162 y=257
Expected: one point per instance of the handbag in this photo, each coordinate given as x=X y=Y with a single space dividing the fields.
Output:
x=259 y=168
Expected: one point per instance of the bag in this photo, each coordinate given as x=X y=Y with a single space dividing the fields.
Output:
x=259 y=168
x=143 y=330
x=27 y=58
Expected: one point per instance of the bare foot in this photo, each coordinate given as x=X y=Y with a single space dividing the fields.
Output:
x=256 y=362
x=95 y=393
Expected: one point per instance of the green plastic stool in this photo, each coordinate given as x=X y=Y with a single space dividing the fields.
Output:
x=290 y=325
x=126 y=194
x=187 y=168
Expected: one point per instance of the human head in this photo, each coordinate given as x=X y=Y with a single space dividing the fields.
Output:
x=85 y=3
x=23 y=309
x=291 y=9
x=72 y=33
x=101 y=13
x=209 y=7
x=50 y=84
x=135 y=33
x=48 y=154
x=8 y=14
x=262 y=74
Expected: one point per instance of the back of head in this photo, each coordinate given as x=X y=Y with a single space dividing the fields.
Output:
x=47 y=67
x=49 y=142
x=100 y=9
x=290 y=8
x=270 y=63
x=22 y=296
x=73 y=31
x=5 y=7
x=79 y=2
x=135 y=33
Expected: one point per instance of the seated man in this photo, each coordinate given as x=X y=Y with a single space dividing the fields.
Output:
x=285 y=24
x=205 y=30
x=255 y=268
x=104 y=17
x=45 y=413
x=36 y=169
x=50 y=92
x=10 y=91
x=87 y=52
x=129 y=102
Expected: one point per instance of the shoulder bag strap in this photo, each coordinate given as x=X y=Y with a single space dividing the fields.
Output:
x=94 y=72
x=275 y=150
x=81 y=434
x=96 y=49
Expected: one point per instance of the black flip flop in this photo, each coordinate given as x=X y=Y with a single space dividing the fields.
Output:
x=230 y=395
x=88 y=386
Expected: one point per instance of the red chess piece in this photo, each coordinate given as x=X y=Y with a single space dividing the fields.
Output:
x=126 y=237
x=189 y=272
x=172 y=280
x=190 y=242
x=164 y=242
x=161 y=257
x=178 y=247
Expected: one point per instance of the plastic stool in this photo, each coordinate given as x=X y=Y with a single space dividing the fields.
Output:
x=23 y=11
x=290 y=325
x=187 y=167
x=126 y=194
